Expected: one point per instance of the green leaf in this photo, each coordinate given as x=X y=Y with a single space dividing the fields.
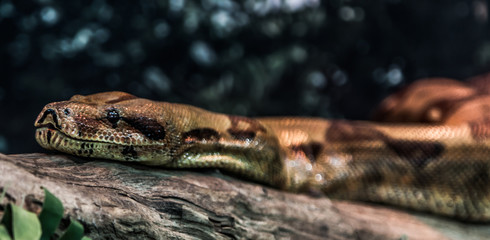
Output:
x=7 y=219
x=74 y=231
x=86 y=238
x=50 y=215
x=4 y=234
x=3 y=193
x=22 y=224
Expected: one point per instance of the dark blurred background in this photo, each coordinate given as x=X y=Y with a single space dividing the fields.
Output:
x=253 y=57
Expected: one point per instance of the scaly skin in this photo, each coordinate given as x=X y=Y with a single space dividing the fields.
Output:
x=441 y=168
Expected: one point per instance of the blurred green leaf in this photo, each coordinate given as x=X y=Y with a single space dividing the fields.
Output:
x=51 y=214
x=73 y=232
x=7 y=220
x=22 y=224
x=86 y=238
x=3 y=193
x=4 y=234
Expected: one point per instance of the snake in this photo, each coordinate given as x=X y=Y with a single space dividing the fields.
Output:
x=428 y=148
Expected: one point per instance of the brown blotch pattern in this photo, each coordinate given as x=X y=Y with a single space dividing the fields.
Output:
x=242 y=135
x=311 y=150
x=148 y=127
x=247 y=132
x=417 y=153
x=200 y=134
x=343 y=131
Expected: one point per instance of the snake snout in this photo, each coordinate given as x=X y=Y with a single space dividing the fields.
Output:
x=48 y=117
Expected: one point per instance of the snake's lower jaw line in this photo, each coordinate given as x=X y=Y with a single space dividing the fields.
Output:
x=42 y=136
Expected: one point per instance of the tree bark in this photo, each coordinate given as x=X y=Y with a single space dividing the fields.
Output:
x=115 y=200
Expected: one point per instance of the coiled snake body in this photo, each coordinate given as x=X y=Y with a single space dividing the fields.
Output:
x=440 y=166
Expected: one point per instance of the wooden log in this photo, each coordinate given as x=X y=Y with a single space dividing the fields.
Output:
x=116 y=200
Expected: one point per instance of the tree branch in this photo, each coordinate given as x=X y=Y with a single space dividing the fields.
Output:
x=115 y=200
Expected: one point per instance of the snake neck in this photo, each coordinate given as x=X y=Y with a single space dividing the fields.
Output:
x=239 y=145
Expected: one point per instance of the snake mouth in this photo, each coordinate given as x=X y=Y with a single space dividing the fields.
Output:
x=49 y=136
x=52 y=138
x=48 y=126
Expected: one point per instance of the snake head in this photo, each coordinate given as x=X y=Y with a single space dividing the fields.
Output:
x=111 y=125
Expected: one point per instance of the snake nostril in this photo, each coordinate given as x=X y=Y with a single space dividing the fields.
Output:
x=50 y=111
x=53 y=114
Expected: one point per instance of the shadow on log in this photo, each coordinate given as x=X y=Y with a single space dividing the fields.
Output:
x=128 y=201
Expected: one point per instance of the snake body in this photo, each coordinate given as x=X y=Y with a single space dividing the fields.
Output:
x=441 y=165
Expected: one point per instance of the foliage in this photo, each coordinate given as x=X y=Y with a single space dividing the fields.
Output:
x=19 y=224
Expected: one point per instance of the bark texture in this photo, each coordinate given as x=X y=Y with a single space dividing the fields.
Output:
x=115 y=200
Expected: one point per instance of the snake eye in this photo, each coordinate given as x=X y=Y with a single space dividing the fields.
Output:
x=113 y=117
x=67 y=111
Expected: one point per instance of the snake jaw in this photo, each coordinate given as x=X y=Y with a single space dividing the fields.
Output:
x=47 y=125
x=49 y=130
x=82 y=129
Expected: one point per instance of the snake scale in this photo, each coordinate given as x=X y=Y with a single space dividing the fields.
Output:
x=434 y=158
